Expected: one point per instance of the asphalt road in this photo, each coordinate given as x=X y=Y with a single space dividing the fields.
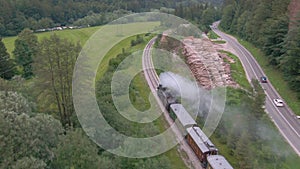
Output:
x=283 y=117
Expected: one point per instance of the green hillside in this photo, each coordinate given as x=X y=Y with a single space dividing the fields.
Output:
x=74 y=35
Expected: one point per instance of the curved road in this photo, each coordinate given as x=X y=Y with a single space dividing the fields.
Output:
x=283 y=117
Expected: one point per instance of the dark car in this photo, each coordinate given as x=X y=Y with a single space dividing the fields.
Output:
x=263 y=79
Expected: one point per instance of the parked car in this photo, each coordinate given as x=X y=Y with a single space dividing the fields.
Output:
x=263 y=79
x=278 y=102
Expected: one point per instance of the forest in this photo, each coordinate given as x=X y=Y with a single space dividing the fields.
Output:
x=268 y=25
x=39 y=127
x=40 y=14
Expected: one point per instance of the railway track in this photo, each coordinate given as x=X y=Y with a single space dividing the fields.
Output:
x=149 y=70
x=153 y=80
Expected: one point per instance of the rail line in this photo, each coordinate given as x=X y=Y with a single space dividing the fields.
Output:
x=153 y=81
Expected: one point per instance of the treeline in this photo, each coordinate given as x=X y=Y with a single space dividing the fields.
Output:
x=265 y=23
x=202 y=14
x=39 y=14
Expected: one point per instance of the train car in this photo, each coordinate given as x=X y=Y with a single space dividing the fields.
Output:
x=218 y=162
x=200 y=144
x=166 y=97
x=181 y=117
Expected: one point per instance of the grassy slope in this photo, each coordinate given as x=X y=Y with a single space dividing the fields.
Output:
x=237 y=71
x=212 y=35
x=275 y=76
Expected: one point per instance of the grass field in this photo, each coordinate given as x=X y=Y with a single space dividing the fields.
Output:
x=74 y=35
x=275 y=76
x=212 y=35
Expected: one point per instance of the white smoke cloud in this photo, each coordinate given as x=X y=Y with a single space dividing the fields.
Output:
x=195 y=99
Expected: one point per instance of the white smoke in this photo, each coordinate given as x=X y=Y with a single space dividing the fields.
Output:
x=195 y=99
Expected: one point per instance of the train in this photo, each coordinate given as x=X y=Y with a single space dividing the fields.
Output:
x=204 y=149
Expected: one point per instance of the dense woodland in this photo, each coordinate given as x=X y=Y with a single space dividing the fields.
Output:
x=36 y=108
x=267 y=25
x=39 y=14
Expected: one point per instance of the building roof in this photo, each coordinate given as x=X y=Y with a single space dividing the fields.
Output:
x=218 y=162
x=183 y=116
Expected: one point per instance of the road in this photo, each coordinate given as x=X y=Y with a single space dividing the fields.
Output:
x=283 y=117
x=153 y=81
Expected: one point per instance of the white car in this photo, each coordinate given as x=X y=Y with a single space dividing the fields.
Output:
x=278 y=102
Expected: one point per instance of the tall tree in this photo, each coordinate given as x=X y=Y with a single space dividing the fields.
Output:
x=274 y=39
x=76 y=150
x=227 y=17
x=23 y=136
x=54 y=68
x=243 y=157
x=25 y=50
x=291 y=64
x=7 y=67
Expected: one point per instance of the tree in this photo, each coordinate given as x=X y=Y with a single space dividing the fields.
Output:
x=7 y=67
x=24 y=136
x=14 y=102
x=25 y=50
x=76 y=150
x=227 y=17
x=241 y=154
x=275 y=34
x=29 y=163
x=54 y=66
x=291 y=62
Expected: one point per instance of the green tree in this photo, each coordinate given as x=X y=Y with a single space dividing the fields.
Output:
x=7 y=67
x=29 y=163
x=274 y=36
x=15 y=102
x=208 y=16
x=227 y=17
x=54 y=66
x=24 y=136
x=76 y=150
x=291 y=62
x=25 y=50
x=241 y=154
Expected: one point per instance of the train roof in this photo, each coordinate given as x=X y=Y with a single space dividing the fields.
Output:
x=182 y=115
x=201 y=145
x=218 y=162
x=203 y=137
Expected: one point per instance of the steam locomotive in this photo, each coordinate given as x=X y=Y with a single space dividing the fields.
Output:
x=203 y=148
